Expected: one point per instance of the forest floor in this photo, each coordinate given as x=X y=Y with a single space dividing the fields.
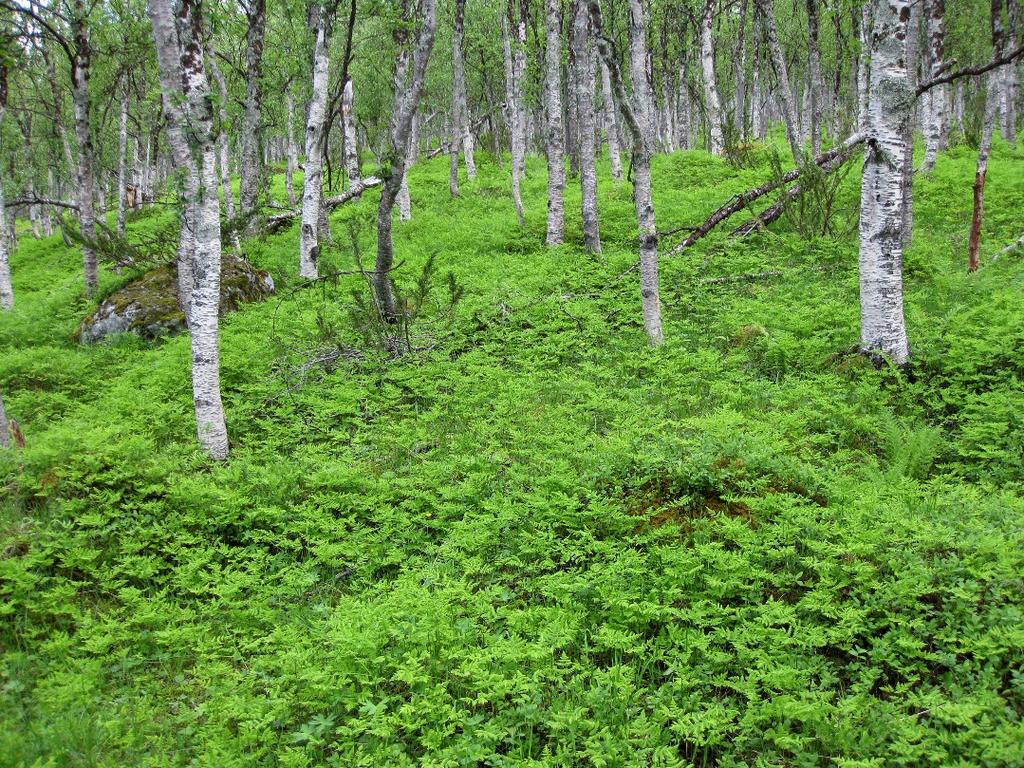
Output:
x=534 y=540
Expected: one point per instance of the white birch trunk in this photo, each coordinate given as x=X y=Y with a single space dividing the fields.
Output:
x=6 y=291
x=122 y=162
x=348 y=123
x=514 y=117
x=312 y=182
x=290 y=150
x=712 y=105
x=250 y=167
x=1008 y=105
x=555 y=139
x=611 y=123
x=83 y=138
x=223 y=151
x=935 y=112
x=817 y=89
x=407 y=97
x=586 y=60
x=883 y=328
x=463 y=130
x=789 y=112
x=186 y=98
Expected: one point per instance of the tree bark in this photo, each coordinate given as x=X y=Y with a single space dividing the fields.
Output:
x=251 y=166
x=514 y=113
x=993 y=95
x=122 y=162
x=80 y=70
x=639 y=117
x=290 y=149
x=817 y=90
x=6 y=291
x=459 y=92
x=741 y=74
x=555 y=137
x=586 y=63
x=348 y=122
x=935 y=114
x=883 y=328
x=312 y=181
x=712 y=104
x=611 y=123
x=1010 y=82
x=407 y=97
x=789 y=113
x=187 y=102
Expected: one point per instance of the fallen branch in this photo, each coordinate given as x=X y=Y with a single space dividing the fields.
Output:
x=1011 y=247
x=280 y=221
x=770 y=214
x=742 y=200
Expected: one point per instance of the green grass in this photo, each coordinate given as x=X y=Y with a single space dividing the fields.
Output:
x=540 y=542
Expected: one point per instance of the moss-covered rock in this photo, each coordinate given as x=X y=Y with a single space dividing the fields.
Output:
x=148 y=306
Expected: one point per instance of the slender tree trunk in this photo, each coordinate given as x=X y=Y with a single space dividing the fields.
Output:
x=640 y=119
x=712 y=105
x=767 y=8
x=290 y=150
x=883 y=329
x=817 y=90
x=407 y=97
x=1010 y=83
x=6 y=291
x=348 y=121
x=312 y=181
x=586 y=63
x=122 y=162
x=251 y=168
x=865 y=24
x=935 y=114
x=993 y=95
x=460 y=129
x=912 y=56
x=555 y=136
x=83 y=138
x=5 y=440
x=611 y=123
x=741 y=74
x=223 y=151
x=514 y=117
x=187 y=102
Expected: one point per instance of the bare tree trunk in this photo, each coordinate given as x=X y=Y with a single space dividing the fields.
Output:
x=514 y=115
x=1010 y=83
x=555 y=136
x=83 y=138
x=712 y=105
x=912 y=50
x=459 y=92
x=122 y=162
x=407 y=97
x=883 y=328
x=993 y=95
x=817 y=90
x=586 y=64
x=767 y=8
x=290 y=150
x=6 y=291
x=639 y=118
x=251 y=167
x=223 y=152
x=935 y=114
x=611 y=123
x=348 y=121
x=5 y=440
x=312 y=180
x=741 y=74
x=186 y=98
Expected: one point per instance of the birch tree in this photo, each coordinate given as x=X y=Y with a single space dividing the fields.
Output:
x=883 y=328
x=461 y=135
x=935 y=112
x=320 y=20
x=348 y=123
x=513 y=97
x=223 y=149
x=993 y=95
x=407 y=97
x=6 y=290
x=251 y=167
x=817 y=87
x=712 y=103
x=639 y=115
x=585 y=55
x=178 y=35
x=611 y=123
x=555 y=131
x=81 y=59
x=767 y=9
x=122 y=161
x=291 y=159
